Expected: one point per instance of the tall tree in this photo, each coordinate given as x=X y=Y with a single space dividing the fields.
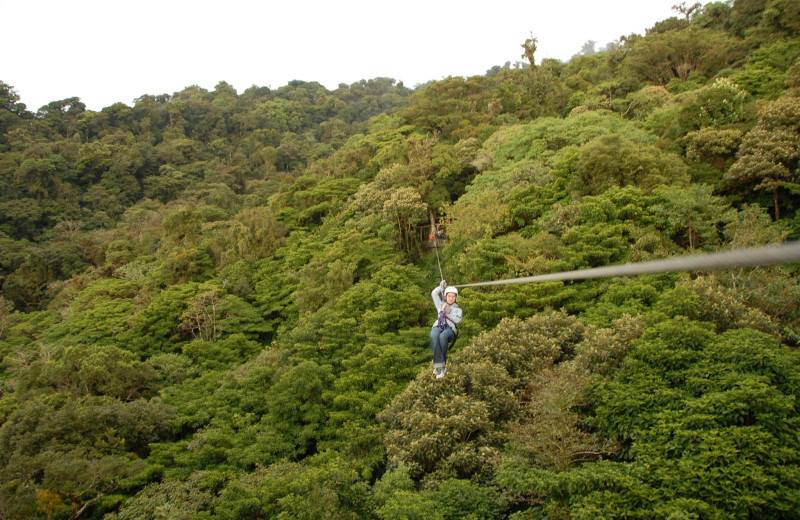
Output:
x=661 y=57
x=529 y=48
x=769 y=158
x=12 y=112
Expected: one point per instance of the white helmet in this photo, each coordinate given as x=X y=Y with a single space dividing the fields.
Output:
x=451 y=289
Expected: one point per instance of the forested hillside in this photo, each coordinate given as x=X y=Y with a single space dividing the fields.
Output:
x=216 y=305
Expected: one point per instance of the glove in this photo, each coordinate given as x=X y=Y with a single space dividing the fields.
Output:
x=443 y=285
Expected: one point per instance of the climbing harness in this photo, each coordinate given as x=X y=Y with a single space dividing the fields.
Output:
x=441 y=321
x=767 y=255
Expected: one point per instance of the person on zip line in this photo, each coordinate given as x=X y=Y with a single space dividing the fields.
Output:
x=444 y=331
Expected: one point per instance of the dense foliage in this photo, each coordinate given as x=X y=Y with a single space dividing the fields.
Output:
x=215 y=304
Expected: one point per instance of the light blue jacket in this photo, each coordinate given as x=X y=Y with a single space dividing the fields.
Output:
x=452 y=312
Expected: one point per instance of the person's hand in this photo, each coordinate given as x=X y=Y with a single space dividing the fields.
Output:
x=444 y=307
x=443 y=285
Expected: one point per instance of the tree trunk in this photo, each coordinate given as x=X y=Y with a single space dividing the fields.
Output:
x=775 y=200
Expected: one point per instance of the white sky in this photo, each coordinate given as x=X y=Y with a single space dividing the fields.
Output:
x=108 y=51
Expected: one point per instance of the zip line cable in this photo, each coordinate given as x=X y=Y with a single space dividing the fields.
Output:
x=436 y=248
x=767 y=255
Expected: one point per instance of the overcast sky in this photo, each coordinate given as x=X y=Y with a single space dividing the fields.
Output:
x=108 y=51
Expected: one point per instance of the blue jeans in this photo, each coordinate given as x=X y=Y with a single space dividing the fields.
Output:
x=440 y=339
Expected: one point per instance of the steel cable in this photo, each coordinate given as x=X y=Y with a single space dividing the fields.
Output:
x=436 y=248
x=767 y=255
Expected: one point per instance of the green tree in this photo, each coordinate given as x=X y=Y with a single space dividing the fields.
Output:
x=6 y=315
x=173 y=498
x=253 y=234
x=62 y=460
x=326 y=489
x=711 y=436
x=613 y=160
x=297 y=406
x=60 y=118
x=551 y=433
x=100 y=313
x=769 y=156
x=456 y=107
x=693 y=211
x=765 y=73
x=720 y=104
x=405 y=209
x=459 y=433
x=39 y=178
x=166 y=185
x=712 y=145
x=640 y=104
x=761 y=20
x=662 y=56
x=156 y=328
x=714 y=15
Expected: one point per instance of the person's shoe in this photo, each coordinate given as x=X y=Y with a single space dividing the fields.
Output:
x=441 y=372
